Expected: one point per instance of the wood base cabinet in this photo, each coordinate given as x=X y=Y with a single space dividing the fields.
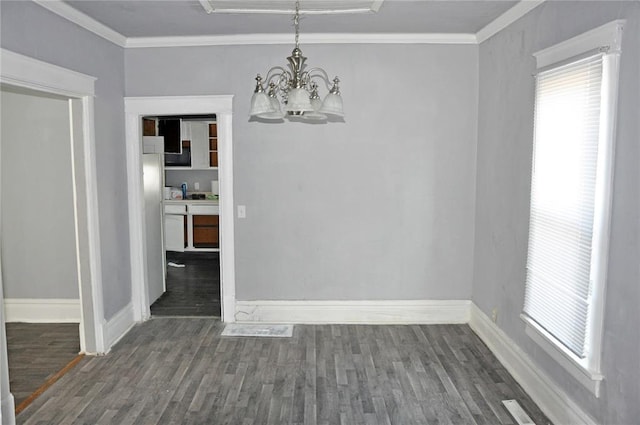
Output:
x=205 y=231
x=191 y=226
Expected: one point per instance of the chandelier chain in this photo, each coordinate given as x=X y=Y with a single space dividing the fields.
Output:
x=296 y=22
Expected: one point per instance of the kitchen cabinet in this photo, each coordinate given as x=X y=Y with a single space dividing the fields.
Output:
x=203 y=148
x=185 y=130
x=197 y=228
x=149 y=127
x=200 y=135
x=213 y=145
x=175 y=231
x=199 y=145
x=152 y=144
x=174 y=234
x=205 y=231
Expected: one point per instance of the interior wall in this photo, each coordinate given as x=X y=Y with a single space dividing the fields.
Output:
x=378 y=207
x=38 y=237
x=505 y=134
x=31 y=30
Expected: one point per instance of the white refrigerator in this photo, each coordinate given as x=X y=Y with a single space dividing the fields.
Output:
x=153 y=178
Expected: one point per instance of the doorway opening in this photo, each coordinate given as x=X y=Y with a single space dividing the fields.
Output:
x=182 y=214
x=46 y=107
x=194 y=227
x=76 y=92
x=40 y=273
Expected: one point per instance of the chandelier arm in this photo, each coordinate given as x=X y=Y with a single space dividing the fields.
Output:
x=322 y=75
x=272 y=73
x=306 y=79
x=282 y=78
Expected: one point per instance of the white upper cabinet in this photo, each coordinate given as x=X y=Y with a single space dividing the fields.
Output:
x=199 y=144
x=197 y=133
x=185 y=130
x=153 y=144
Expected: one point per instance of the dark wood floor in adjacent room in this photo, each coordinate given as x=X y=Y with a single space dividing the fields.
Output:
x=192 y=290
x=37 y=351
x=181 y=371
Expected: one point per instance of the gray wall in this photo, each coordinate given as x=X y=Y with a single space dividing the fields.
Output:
x=38 y=231
x=503 y=184
x=379 y=207
x=31 y=30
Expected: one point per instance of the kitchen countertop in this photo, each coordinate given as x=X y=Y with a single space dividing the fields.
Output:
x=191 y=201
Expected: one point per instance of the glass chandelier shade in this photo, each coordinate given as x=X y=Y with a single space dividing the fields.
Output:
x=298 y=101
x=293 y=91
x=260 y=103
x=332 y=104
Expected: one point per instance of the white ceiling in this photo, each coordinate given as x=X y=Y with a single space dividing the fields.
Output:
x=171 y=18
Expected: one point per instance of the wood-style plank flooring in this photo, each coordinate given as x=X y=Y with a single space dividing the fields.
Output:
x=36 y=352
x=181 y=371
x=193 y=290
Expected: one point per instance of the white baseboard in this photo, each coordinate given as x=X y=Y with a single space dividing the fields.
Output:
x=42 y=310
x=551 y=399
x=118 y=326
x=364 y=312
x=7 y=410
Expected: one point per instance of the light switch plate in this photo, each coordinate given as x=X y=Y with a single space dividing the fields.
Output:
x=242 y=211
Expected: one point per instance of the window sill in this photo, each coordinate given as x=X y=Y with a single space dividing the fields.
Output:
x=575 y=366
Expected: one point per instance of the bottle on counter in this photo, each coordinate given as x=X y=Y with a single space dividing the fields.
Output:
x=184 y=190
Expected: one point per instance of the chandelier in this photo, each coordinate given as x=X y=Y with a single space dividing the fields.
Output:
x=293 y=92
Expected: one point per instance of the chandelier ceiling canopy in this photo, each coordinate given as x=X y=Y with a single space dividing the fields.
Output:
x=293 y=91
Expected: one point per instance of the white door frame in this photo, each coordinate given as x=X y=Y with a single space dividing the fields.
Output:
x=25 y=72
x=135 y=109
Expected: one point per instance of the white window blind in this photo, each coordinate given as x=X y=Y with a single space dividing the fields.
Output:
x=567 y=127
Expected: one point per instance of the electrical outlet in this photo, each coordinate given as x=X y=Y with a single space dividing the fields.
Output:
x=196 y=186
x=494 y=315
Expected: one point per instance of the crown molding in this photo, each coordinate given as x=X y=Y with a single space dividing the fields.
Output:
x=73 y=15
x=507 y=18
x=309 y=38
x=62 y=9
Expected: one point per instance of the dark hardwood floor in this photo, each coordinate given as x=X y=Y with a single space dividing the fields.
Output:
x=36 y=352
x=193 y=290
x=181 y=371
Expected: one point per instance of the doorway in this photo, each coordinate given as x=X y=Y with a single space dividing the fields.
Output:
x=40 y=278
x=26 y=75
x=22 y=73
x=137 y=108
x=182 y=215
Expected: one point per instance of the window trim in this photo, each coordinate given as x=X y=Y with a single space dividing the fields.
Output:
x=607 y=38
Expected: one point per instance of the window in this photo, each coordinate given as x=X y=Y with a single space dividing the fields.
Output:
x=575 y=98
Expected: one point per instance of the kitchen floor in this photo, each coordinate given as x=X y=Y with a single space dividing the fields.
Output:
x=192 y=290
